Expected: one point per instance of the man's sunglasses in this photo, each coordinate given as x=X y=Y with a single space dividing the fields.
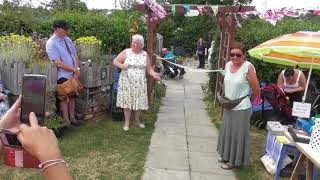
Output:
x=235 y=55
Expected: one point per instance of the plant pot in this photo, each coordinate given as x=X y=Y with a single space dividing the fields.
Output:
x=117 y=116
x=59 y=131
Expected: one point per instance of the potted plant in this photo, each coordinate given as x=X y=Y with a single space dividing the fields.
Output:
x=88 y=48
x=57 y=125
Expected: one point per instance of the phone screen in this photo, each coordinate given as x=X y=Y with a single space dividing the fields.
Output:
x=9 y=138
x=33 y=97
x=13 y=140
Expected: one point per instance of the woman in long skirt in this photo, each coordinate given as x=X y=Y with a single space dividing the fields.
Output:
x=240 y=77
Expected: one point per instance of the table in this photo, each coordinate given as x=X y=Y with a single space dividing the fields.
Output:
x=307 y=154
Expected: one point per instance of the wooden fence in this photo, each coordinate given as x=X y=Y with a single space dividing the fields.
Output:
x=12 y=75
x=95 y=77
x=95 y=74
x=92 y=75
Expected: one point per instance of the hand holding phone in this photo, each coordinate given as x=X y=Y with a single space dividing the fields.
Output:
x=41 y=142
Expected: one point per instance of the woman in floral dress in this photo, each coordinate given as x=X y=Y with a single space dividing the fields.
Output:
x=132 y=87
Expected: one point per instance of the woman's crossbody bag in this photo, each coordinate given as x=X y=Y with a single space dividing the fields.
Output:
x=228 y=103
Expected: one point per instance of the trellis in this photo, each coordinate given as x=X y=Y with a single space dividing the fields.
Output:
x=224 y=16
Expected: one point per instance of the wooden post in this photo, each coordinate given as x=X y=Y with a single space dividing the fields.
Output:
x=150 y=48
x=297 y=170
x=226 y=22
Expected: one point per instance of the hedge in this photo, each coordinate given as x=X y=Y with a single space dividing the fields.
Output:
x=185 y=31
x=111 y=29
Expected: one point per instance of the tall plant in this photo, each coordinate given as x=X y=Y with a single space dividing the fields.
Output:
x=88 y=48
x=16 y=48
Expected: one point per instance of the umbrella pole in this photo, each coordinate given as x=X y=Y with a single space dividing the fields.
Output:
x=307 y=84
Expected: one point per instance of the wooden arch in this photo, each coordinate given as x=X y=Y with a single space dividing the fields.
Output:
x=225 y=17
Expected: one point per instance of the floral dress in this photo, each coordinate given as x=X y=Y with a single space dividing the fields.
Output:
x=132 y=87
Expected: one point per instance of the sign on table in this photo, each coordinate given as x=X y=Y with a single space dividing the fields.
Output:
x=301 y=109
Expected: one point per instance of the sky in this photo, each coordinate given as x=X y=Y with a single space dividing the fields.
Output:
x=91 y=4
x=260 y=4
x=100 y=4
x=277 y=4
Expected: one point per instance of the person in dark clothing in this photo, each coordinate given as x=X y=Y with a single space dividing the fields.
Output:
x=201 y=52
x=293 y=83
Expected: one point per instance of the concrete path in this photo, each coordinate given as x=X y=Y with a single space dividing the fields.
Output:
x=183 y=146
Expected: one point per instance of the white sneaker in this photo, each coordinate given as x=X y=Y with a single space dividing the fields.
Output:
x=125 y=128
x=142 y=126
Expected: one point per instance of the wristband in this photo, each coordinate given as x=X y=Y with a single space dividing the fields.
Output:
x=50 y=163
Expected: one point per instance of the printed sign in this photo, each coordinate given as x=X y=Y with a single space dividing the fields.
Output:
x=301 y=109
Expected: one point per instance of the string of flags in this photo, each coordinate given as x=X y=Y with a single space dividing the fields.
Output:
x=270 y=16
x=273 y=16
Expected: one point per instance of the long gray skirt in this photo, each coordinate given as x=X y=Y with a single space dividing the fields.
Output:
x=233 y=144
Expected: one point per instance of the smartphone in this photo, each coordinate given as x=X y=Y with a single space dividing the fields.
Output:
x=33 y=97
x=9 y=138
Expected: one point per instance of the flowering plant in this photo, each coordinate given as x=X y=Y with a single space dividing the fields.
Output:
x=16 y=48
x=88 y=48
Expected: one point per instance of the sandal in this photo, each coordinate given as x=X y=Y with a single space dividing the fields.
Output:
x=221 y=160
x=227 y=166
x=125 y=128
x=142 y=126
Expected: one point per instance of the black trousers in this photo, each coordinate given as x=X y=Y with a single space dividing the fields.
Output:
x=201 y=60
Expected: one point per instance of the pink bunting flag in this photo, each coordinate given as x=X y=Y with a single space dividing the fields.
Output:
x=158 y=12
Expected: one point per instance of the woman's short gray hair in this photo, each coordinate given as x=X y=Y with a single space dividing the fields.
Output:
x=139 y=39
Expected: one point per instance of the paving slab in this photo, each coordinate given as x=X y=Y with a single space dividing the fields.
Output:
x=172 y=99
x=172 y=109
x=175 y=95
x=163 y=174
x=209 y=176
x=194 y=91
x=171 y=142
x=170 y=129
x=167 y=159
x=201 y=131
x=175 y=91
x=201 y=144
x=196 y=116
x=194 y=104
x=172 y=103
x=175 y=85
x=206 y=163
x=168 y=119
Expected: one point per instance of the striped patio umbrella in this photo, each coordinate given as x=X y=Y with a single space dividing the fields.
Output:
x=297 y=49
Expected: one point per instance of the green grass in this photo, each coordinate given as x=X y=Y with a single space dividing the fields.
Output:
x=256 y=170
x=101 y=150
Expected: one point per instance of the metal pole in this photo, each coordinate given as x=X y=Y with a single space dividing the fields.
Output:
x=308 y=80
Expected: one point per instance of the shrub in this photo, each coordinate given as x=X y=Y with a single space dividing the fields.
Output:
x=185 y=31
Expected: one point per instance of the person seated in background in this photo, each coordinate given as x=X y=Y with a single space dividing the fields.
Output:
x=169 y=56
x=4 y=103
x=293 y=83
